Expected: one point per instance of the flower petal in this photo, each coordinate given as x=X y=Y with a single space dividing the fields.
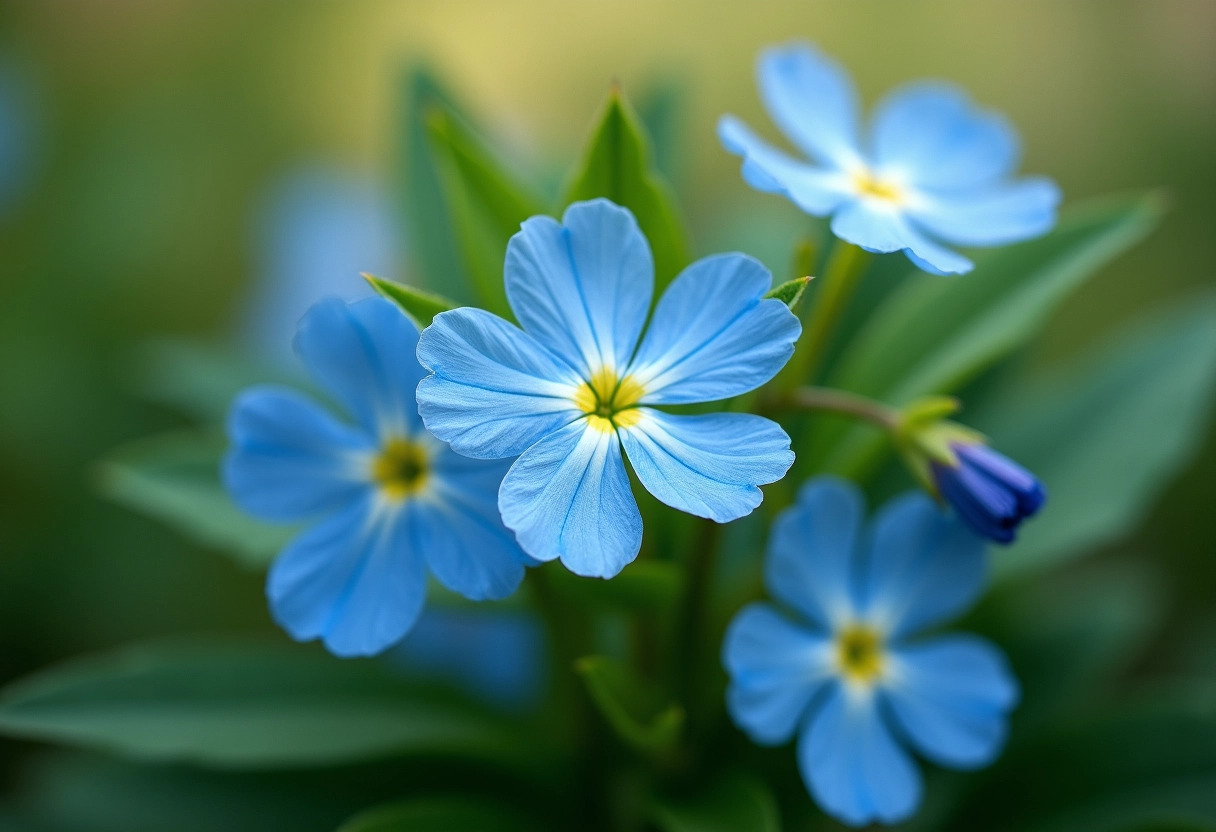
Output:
x=708 y=465
x=582 y=288
x=776 y=667
x=714 y=335
x=924 y=566
x=356 y=580
x=950 y=696
x=810 y=564
x=813 y=101
x=882 y=228
x=568 y=497
x=931 y=135
x=291 y=460
x=815 y=190
x=467 y=547
x=360 y=353
x=852 y=764
x=494 y=390
x=992 y=217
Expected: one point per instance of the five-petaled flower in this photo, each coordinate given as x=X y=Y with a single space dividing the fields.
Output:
x=573 y=388
x=392 y=501
x=837 y=667
x=934 y=168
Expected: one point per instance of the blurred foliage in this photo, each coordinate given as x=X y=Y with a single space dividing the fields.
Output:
x=160 y=125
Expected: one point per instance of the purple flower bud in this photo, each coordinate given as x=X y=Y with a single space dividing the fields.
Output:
x=990 y=492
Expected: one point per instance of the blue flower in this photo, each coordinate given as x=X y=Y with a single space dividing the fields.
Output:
x=316 y=229
x=497 y=656
x=571 y=392
x=992 y=493
x=391 y=502
x=933 y=168
x=839 y=667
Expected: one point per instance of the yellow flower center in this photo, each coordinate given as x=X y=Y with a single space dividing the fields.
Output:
x=859 y=653
x=609 y=402
x=400 y=469
x=867 y=184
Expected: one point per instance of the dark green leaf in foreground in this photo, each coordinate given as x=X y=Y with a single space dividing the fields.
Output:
x=484 y=202
x=735 y=802
x=462 y=814
x=422 y=307
x=935 y=333
x=245 y=705
x=1108 y=432
x=635 y=709
x=616 y=165
x=175 y=478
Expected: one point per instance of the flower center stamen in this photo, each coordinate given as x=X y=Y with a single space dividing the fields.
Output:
x=859 y=653
x=869 y=185
x=400 y=469
x=609 y=401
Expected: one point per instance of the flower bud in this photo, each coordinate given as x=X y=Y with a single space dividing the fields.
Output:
x=990 y=492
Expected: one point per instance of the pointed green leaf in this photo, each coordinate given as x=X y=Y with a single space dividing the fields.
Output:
x=422 y=307
x=731 y=803
x=634 y=708
x=464 y=814
x=245 y=705
x=485 y=204
x=616 y=164
x=432 y=242
x=936 y=333
x=790 y=292
x=1106 y=433
x=175 y=478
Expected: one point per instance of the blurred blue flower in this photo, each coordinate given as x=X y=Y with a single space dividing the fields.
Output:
x=840 y=668
x=498 y=655
x=392 y=501
x=17 y=115
x=568 y=392
x=933 y=168
x=316 y=229
x=992 y=493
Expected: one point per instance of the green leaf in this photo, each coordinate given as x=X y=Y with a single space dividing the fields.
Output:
x=790 y=292
x=197 y=378
x=175 y=478
x=433 y=244
x=1107 y=433
x=616 y=164
x=1149 y=760
x=645 y=585
x=936 y=333
x=422 y=307
x=636 y=709
x=245 y=705
x=463 y=814
x=732 y=803
x=485 y=205
x=80 y=792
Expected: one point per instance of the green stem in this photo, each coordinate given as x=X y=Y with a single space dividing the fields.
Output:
x=845 y=266
x=835 y=401
x=702 y=560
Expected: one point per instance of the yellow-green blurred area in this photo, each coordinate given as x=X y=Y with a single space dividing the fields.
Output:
x=160 y=125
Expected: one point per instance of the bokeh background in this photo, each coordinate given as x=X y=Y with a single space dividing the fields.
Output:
x=165 y=164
